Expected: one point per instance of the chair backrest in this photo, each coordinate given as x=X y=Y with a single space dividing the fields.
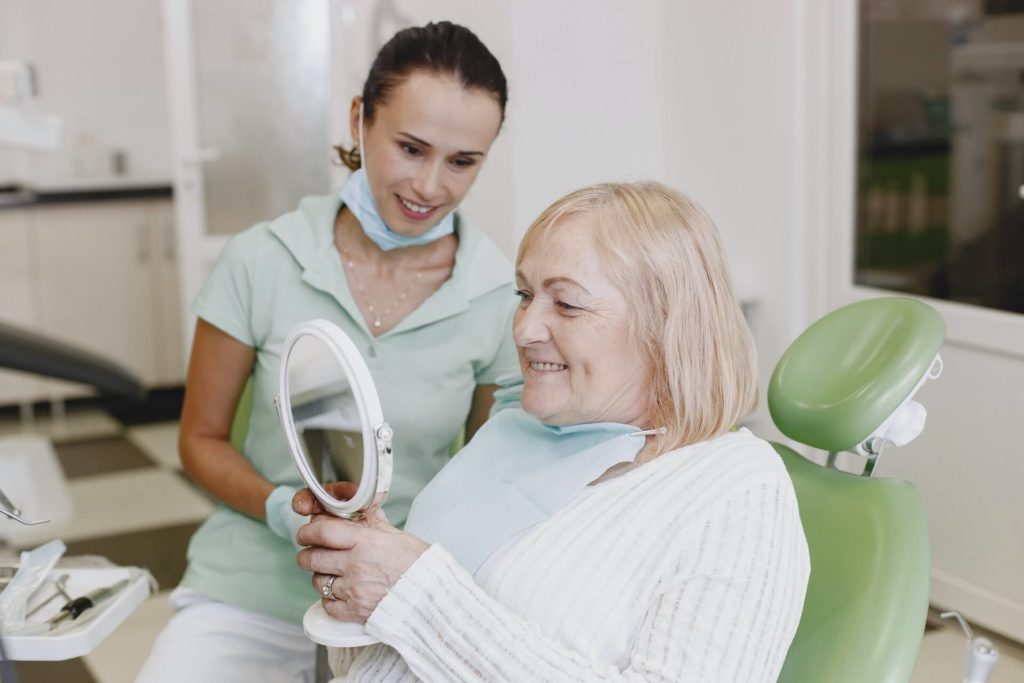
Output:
x=867 y=599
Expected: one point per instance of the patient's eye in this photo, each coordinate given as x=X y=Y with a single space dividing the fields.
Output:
x=566 y=306
x=524 y=296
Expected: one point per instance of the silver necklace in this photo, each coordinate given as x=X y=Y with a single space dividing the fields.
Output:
x=378 y=318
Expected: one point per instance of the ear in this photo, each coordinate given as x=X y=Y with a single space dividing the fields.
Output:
x=353 y=121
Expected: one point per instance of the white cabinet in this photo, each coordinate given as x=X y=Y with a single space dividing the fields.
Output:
x=16 y=297
x=99 y=275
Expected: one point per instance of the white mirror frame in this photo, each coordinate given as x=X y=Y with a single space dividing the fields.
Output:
x=377 y=435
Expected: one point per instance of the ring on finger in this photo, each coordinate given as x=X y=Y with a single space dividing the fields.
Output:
x=325 y=589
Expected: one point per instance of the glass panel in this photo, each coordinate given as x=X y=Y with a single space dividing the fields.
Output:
x=941 y=172
x=263 y=79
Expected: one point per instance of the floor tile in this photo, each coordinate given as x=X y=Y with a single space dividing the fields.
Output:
x=119 y=658
x=100 y=456
x=941 y=660
x=124 y=502
x=77 y=425
x=158 y=441
x=69 y=671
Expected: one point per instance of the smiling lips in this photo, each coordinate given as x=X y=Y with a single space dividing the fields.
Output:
x=415 y=211
x=547 y=367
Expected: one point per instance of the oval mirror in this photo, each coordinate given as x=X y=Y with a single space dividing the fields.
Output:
x=331 y=416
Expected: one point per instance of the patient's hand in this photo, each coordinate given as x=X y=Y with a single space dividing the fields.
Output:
x=305 y=503
x=367 y=556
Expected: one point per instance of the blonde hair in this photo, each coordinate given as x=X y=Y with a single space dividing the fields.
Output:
x=663 y=253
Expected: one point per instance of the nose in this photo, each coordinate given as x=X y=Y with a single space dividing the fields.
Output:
x=529 y=326
x=428 y=181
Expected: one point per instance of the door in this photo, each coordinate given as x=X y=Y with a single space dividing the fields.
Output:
x=249 y=85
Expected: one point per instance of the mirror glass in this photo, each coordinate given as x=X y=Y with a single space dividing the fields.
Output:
x=326 y=416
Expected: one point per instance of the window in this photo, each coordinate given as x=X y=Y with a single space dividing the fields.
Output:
x=941 y=160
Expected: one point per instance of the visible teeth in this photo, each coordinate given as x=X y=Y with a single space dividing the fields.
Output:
x=548 y=367
x=415 y=208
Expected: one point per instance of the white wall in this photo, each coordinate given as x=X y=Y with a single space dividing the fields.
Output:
x=100 y=68
x=633 y=90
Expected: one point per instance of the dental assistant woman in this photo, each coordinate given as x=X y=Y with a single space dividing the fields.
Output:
x=422 y=292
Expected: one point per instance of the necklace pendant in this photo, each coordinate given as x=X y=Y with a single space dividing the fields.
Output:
x=377 y=323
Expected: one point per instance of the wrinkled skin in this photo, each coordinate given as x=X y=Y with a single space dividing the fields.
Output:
x=368 y=556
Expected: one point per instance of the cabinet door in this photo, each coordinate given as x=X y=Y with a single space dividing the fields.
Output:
x=95 y=272
x=16 y=303
x=171 y=347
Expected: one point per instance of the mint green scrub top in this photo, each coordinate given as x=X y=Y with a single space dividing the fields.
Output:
x=278 y=274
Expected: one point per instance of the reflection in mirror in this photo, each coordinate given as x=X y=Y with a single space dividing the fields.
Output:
x=325 y=413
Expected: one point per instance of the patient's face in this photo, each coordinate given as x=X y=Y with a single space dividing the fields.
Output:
x=572 y=333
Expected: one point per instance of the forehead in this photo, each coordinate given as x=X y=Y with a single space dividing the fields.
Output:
x=566 y=249
x=439 y=110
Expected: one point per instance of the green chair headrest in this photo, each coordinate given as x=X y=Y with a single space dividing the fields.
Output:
x=850 y=370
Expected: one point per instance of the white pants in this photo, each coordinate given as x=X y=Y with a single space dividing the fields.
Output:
x=207 y=640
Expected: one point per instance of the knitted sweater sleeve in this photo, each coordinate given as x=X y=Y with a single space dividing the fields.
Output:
x=726 y=611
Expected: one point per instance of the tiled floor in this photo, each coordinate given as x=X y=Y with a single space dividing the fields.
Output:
x=133 y=506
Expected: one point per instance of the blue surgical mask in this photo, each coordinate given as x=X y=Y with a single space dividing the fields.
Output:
x=358 y=197
x=514 y=474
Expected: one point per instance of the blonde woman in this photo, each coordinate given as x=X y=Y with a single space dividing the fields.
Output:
x=622 y=531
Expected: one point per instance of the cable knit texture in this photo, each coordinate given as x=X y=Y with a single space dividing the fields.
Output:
x=692 y=567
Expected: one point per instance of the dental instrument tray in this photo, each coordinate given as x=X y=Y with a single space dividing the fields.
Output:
x=78 y=637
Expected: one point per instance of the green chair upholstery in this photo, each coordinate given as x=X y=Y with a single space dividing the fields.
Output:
x=867 y=599
x=847 y=372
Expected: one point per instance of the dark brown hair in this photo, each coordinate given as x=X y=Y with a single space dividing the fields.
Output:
x=441 y=48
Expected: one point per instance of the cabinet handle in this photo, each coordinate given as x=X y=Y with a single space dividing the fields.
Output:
x=143 y=234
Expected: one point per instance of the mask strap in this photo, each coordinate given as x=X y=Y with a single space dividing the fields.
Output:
x=656 y=431
x=362 y=143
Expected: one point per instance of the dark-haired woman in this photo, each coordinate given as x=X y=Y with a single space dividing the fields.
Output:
x=391 y=261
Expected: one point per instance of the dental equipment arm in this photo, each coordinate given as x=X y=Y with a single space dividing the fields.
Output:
x=31 y=352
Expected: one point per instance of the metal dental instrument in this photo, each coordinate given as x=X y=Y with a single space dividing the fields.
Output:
x=74 y=609
x=9 y=509
x=59 y=584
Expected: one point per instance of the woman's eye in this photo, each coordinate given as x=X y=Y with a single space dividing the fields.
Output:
x=523 y=295
x=566 y=306
x=411 y=150
x=464 y=163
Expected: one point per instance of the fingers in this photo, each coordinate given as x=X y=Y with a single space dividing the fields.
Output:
x=305 y=503
x=335 y=599
x=330 y=532
x=327 y=585
x=342 y=490
x=343 y=611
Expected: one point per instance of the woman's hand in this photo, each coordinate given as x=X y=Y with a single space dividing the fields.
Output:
x=366 y=558
x=305 y=503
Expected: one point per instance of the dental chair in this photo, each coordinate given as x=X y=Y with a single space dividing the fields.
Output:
x=846 y=384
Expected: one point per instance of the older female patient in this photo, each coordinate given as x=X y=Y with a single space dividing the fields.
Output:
x=615 y=528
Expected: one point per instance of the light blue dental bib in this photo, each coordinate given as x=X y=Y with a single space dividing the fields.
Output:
x=514 y=474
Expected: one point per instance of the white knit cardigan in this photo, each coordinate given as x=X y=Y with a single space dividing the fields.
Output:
x=691 y=567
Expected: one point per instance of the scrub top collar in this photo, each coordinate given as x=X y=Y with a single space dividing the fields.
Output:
x=308 y=234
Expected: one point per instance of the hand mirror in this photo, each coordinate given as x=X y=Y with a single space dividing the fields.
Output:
x=330 y=413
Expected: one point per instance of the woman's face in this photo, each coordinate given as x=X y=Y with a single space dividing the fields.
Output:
x=424 y=148
x=572 y=333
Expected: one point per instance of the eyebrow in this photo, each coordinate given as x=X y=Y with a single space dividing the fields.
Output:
x=427 y=144
x=557 y=280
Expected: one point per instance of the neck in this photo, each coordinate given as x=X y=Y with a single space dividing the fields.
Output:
x=353 y=242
